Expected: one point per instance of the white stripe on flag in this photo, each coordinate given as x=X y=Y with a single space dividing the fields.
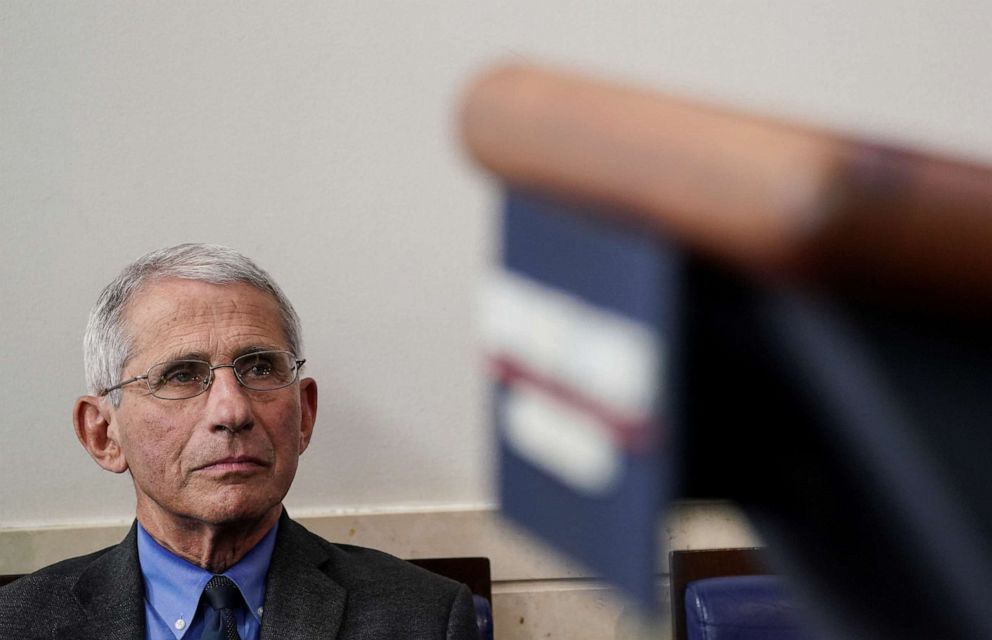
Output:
x=567 y=444
x=599 y=353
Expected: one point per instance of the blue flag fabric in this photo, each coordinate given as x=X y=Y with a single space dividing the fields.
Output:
x=578 y=328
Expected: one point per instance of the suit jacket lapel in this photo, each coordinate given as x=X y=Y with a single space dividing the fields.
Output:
x=111 y=594
x=301 y=600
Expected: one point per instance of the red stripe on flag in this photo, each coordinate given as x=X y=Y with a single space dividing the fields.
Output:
x=636 y=434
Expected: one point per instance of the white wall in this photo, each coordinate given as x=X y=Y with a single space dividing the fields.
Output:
x=318 y=138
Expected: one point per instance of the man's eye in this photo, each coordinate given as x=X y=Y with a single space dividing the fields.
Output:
x=181 y=376
x=259 y=369
x=177 y=375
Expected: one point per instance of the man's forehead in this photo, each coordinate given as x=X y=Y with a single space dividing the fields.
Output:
x=175 y=309
x=190 y=295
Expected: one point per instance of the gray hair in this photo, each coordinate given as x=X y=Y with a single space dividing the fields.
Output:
x=107 y=345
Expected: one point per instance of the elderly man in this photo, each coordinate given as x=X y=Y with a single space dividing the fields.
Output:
x=193 y=360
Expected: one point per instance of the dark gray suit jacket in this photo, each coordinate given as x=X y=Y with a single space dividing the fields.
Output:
x=315 y=589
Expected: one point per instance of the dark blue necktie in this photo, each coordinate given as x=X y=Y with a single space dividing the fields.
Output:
x=222 y=599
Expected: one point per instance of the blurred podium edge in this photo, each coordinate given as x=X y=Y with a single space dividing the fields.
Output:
x=763 y=196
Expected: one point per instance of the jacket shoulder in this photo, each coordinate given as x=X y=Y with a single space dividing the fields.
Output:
x=43 y=597
x=385 y=591
x=360 y=568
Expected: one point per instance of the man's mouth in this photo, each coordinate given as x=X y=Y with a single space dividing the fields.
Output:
x=234 y=464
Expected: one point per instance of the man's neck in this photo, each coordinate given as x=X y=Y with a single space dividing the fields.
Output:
x=210 y=546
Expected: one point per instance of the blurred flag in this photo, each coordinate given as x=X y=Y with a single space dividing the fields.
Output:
x=577 y=327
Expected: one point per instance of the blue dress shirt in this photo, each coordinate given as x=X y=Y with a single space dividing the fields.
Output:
x=173 y=587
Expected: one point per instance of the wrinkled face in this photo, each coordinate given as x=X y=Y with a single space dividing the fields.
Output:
x=229 y=454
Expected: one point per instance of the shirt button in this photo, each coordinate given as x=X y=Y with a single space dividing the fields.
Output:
x=180 y=624
x=260 y=609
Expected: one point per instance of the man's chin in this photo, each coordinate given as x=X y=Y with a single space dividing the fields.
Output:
x=228 y=505
x=234 y=513
x=231 y=514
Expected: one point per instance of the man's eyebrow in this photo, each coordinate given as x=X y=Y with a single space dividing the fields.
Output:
x=186 y=355
x=206 y=357
x=257 y=349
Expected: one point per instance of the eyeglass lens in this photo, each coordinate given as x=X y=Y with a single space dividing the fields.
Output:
x=261 y=371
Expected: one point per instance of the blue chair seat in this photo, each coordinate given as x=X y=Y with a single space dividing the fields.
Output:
x=741 y=608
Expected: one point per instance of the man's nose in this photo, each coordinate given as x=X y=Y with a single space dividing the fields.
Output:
x=228 y=405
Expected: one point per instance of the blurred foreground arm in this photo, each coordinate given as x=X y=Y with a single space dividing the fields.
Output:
x=766 y=197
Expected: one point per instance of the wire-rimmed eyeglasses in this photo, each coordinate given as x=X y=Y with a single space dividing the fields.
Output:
x=181 y=379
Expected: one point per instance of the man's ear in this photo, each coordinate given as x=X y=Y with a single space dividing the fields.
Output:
x=308 y=411
x=96 y=430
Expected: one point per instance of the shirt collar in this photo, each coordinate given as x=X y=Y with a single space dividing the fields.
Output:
x=173 y=585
